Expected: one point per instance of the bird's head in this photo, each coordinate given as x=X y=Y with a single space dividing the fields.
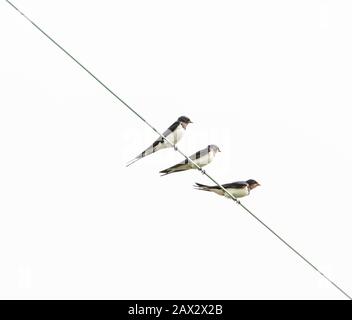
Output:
x=213 y=147
x=185 y=121
x=252 y=184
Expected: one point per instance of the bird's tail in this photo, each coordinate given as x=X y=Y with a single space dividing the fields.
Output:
x=176 y=168
x=203 y=187
x=157 y=145
x=134 y=160
x=145 y=153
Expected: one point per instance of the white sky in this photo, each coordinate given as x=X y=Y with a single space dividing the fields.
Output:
x=269 y=82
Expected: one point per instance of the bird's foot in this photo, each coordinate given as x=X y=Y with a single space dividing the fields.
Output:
x=202 y=171
x=238 y=202
x=176 y=149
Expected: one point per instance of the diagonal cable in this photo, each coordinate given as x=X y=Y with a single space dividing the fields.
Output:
x=179 y=151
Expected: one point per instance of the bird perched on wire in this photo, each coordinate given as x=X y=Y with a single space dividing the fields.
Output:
x=174 y=134
x=238 y=189
x=201 y=158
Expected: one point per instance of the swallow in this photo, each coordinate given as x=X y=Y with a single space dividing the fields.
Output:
x=238 y=189
x=201 y=158
x=174 y=134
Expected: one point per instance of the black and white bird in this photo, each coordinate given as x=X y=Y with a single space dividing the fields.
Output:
x=201 y=158
x=238 y=189
x=174 y=134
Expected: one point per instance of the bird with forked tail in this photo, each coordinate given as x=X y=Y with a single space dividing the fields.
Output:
x=201 y=158
x=237 y=189
x=174 y=134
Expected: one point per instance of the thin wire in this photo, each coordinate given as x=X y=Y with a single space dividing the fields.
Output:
x=178 y=150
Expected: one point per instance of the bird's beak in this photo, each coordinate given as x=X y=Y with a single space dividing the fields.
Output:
x=219 y=150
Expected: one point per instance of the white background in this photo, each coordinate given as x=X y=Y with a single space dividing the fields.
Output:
x=269 y=82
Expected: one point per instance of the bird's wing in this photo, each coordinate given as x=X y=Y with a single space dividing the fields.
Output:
x=157 y=144
x=232 y=185
x=171 y=129
x=200 y=158
x=235 y=185
x=196 y=156
x=199 y=154
x=160 y=140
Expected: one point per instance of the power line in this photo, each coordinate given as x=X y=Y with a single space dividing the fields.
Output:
x=183 y=154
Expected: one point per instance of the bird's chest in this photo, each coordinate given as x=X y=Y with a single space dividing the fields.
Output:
x=239 y=193
x=211 y=156
x=205 y=159
x=177 y=135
